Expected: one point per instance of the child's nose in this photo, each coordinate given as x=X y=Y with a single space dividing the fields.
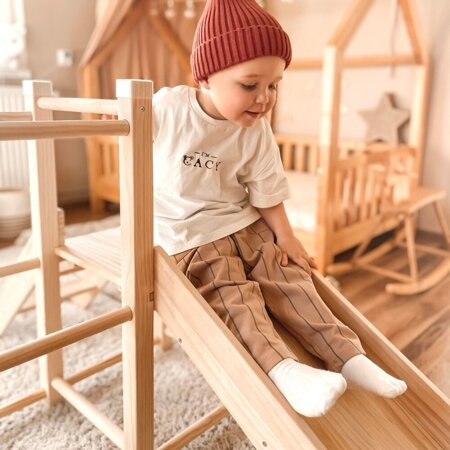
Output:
x=263 y=98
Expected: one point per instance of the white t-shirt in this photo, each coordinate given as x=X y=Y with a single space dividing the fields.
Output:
x=209 y=175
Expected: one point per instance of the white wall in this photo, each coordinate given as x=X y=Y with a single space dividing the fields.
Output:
x=311 y=22
x=51 y=25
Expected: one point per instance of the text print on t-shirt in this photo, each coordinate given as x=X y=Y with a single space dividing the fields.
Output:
x=202 y=161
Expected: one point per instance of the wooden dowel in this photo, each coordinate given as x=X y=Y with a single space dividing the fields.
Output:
x=22 y=402
x=16 y=116
x=62 y=338
x=196 y=429
x=387 y=273
x=83 y=105
x=41 y=394
x=16 y=131
x=357 y=62
x=94 y=369
x=429 y=249
x=88 y=409
x=19 y=267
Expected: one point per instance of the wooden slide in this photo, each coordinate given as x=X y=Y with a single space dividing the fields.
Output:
x=418 y=419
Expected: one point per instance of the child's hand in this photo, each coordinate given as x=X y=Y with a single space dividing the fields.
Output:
x=292 y=248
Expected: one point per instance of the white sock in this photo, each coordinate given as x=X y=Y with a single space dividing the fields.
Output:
x=311 y=392
x=361 y=372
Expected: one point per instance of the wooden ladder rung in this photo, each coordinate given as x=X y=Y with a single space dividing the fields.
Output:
x=62 y=338
x=21 y=266
x=196 y=429
x=88 y=409
x=41 y=394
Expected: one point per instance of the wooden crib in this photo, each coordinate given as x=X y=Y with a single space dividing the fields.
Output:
x=150 y=282
x=358 y=192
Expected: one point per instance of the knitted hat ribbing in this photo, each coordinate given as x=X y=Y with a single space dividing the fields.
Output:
x=233 y=31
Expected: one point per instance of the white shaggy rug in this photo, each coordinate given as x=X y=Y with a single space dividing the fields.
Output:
x=181 y=394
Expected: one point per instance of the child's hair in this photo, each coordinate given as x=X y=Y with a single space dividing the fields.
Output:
x=230 y=32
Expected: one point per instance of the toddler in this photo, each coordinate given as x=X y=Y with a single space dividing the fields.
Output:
x=219 y=192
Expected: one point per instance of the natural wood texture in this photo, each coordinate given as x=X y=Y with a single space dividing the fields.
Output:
x=349 y=24
x=329 y=135
x=19 y=267
x=83 y=105
x=135 y=272
x=418 y=325
x=264 y=416
x=63 y=337
x=62 y=129
x=41 y=394
x=329 y=132
x=98 y=252
x=413 y=28
x=16 y=289
x=22 y=402
x=15 y=116
x=405 y=213
x=335 y=208
x=103 y=179
x=86 y=408
x=136 y=224
x=358 y=420
x=357 y=190
x=45 y=234
x=195 y=430
x=14 y=292
x=355 y=62
x=83 y=405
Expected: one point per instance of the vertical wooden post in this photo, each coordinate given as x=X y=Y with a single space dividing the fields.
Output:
x=329 y=135
x=45 y=236
x=419 y=115
x=419 y=110
x=329 y=127
x=136 y=220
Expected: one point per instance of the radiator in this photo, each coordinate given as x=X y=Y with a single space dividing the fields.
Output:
x=13 y=154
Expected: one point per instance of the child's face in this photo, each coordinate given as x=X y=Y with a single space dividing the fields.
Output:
x=243 y=93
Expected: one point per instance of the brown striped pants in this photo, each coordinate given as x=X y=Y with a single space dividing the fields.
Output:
x=240 y=276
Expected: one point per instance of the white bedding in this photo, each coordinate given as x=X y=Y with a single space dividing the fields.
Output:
x=301 y=208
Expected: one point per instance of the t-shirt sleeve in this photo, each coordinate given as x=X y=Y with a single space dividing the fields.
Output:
x=264 y=174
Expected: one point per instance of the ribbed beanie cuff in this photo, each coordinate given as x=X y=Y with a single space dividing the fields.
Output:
x=233 y=31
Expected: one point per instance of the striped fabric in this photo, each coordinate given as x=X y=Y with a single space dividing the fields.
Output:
x=233 y=31
x=242 y=280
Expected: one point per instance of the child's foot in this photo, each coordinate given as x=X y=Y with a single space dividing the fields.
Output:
x=311 y=392
x=361 y=372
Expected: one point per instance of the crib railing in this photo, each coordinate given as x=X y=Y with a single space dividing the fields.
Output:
x=368 y=182
x=302 y=154
x=365 y=179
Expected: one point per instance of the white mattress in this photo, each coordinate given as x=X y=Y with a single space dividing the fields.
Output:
x=301 y=208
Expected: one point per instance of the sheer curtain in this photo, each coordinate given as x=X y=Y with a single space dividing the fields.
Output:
x=12 y=33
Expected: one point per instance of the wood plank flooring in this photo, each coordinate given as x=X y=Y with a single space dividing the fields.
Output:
x=418 y=325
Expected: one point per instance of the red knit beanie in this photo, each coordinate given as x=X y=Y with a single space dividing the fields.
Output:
x=233 y=31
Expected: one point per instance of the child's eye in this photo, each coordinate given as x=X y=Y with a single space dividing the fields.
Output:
x=273 y=87
x=248 y=87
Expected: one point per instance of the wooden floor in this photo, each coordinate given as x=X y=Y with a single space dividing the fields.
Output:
x=418 y=325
